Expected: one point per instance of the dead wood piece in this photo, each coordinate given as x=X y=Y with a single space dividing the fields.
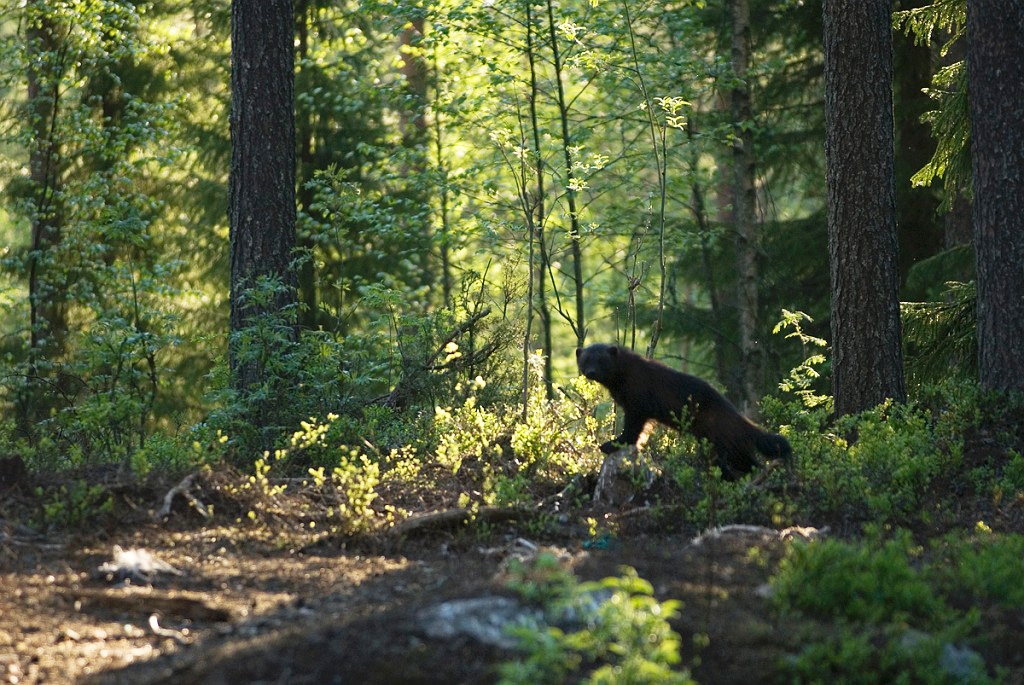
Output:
x=757 y=482
x=604 y=490
x=134 y=565
x=452 y=518
x=179 y=636
x=184 y=488
x=616 y=485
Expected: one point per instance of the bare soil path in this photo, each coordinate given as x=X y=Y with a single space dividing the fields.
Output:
x=254 y=605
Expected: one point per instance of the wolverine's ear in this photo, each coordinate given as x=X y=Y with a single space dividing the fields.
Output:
x=614 y=350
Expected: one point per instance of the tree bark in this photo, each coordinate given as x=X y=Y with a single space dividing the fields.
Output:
x=744 y=202
x=262 y=184
x=995 y=74
x=919 y=228
x=540 y=267
x=307 y=277
x=867 y=365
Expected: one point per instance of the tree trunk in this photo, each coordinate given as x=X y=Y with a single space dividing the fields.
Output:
x=579 y=325
x=262 y=185
x=541 y=268
x=919 y=229
x=744 y=201
x=47 y=297
x=307 y=277
x=415 y=139
x=995 y=64
x=867 y=365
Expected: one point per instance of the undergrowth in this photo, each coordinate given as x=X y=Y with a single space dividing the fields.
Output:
x=609 y=631
x=924 y=502
x=886 y=609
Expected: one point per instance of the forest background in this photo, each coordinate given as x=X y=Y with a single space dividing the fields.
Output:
x=570 y=171
x=481 y=187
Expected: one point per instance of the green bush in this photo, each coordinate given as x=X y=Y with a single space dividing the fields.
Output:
x=73 y=504
x=857 y=582
x=892 y=655
x=615 y=631
x=899 y=458
x=510 y=455
x=985 y=568
x=877 y=613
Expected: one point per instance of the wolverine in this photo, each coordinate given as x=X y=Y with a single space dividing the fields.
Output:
x=648 y=390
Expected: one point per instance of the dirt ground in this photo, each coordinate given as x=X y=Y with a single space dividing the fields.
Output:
x=265 y=591
x=261 y=603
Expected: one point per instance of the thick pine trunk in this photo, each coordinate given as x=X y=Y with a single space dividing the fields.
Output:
x=867 y=359
x=995 y=63
x=262 y=184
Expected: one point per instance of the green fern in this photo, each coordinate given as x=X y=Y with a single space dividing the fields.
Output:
x=939 y=337
x=950 y=120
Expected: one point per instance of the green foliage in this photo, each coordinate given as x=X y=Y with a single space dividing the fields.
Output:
x=613 y=630
x=1010 y=485
x=165 y=454
x=551 y=435
x=345 y=489
x=419 y=358
x=950 y=121
x=893 y=622
x=420 y=201
x=872 y=581
x=803 y=377
x=511 y=454
x=888 y=465
x=892 y=472
x=923 y=22
x=891 y=465
x=305 y=371
x=984 y=568
x=90 y=364
x=891 y=655
x=940 y=338
x=898 y=457
x=74 y=504
x=470 y=432
x=118 y=374
x=353 y=482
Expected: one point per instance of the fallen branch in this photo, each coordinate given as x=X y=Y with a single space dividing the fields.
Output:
x=452 y=518
x=184 y=488
x=178 y=636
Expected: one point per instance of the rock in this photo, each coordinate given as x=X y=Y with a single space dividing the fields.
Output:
x=484 y=619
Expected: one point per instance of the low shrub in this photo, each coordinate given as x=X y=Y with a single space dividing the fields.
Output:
x=878 y=610
x=612 y=631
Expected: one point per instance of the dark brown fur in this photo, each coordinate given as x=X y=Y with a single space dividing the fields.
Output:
x=648 y=390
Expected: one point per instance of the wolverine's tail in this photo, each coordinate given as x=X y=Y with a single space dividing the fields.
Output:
x=773 y=445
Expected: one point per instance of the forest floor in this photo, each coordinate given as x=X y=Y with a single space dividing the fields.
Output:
x=279 y=603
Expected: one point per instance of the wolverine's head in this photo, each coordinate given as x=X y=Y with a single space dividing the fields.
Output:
x=598 y=362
